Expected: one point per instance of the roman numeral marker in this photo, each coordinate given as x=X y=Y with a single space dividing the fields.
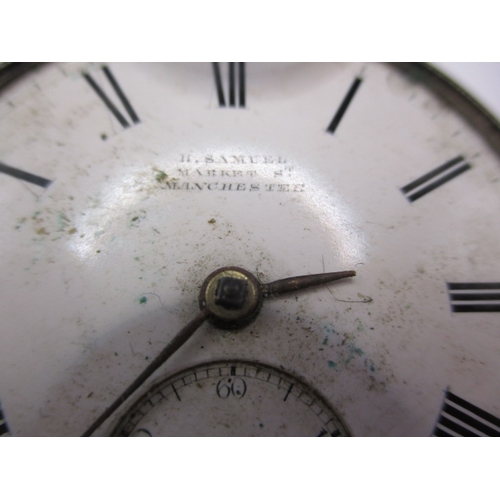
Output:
x=109 y=104
x=4 y=428
x=474 y=297
x=344 y=105
x=461 y=418
x=236 y=84
x=24 y=176
x=435 y=178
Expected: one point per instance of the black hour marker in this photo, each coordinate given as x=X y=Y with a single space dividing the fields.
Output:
x=474 y=297
x=24 y=176
x=344 y=105
x=461 y=418
x=109 y=104
x=288 y=392
x=4 y=428
x=236 y=84
x=435 y=178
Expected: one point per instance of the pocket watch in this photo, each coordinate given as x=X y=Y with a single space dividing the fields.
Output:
x=125 y=187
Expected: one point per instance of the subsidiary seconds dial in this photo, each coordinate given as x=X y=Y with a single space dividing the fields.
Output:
x=236 y=399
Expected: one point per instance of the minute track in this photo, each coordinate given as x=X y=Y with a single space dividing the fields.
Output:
x=259 y=381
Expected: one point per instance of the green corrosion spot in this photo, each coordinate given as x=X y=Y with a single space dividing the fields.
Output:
x=355 y=350
x=136 y=219
x=161 y=176
x=143 y=300
x=332 y=364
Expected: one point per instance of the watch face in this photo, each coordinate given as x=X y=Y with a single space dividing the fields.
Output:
x=124 y=186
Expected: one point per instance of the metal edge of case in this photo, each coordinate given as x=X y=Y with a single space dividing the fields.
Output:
x=451 y=92
x=11 y=71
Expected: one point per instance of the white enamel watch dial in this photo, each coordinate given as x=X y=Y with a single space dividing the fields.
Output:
x=124 y=186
